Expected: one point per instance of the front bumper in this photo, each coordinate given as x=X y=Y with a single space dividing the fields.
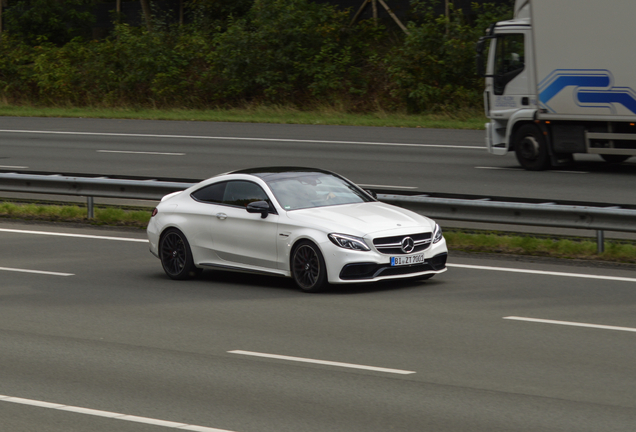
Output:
x=355 y=266
x=370 y=271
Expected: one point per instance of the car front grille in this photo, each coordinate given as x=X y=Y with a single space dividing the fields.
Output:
x=393 y=245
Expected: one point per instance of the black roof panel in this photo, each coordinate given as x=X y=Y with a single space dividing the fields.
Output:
x=274 y=173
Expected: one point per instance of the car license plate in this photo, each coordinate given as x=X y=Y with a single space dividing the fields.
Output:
x=407 y=260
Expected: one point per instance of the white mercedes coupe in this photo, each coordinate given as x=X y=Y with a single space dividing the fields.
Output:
x=308 y=224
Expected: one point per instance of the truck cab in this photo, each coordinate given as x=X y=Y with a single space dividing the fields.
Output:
x=548 y=88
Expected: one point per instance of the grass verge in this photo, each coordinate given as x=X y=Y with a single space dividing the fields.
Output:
x=104 y=215
x=458 y=240
x=468 y=119
x=538 y=245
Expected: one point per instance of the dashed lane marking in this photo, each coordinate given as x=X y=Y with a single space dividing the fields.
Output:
x=541 y=272
x=322 y=362
x=35 y=271
x=111 y=415
x=570 y=323
x=58 y=234
x=282 y=140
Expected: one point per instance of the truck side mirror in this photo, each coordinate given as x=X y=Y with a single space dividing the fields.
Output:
x=480 y=48
x=481 y=70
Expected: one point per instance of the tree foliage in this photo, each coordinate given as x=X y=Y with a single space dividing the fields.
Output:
x=435 y=66
x=56 y=21
x=292 y=52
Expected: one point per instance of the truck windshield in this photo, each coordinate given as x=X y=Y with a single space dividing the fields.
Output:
x=509 y=60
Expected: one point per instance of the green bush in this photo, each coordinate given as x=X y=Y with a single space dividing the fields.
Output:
x=290 y=51
x=435 y=66
x=282 y=52
x=134 y=67
x=215 y=15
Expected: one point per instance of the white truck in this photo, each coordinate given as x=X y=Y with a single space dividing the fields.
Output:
x=561 y=79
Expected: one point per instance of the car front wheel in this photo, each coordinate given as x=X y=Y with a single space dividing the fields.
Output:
x=176 y=256
x=308 y=267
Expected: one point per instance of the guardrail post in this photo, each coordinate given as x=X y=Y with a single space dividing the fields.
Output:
x=600 y=241
x=91 y=209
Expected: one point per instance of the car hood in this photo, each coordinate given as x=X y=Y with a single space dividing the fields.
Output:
x=362 y=219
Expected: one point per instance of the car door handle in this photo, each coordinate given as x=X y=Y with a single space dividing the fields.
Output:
x=221 y=216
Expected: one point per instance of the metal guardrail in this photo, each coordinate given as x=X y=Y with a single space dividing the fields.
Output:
x=599 y=217
x=546 y=215
x=89 y=187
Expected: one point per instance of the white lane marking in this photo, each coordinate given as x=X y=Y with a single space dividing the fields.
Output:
x=387 y=186
x=322 y=362
x=245 y=139
x=127 y=239
x=13 y=167
x=541 y=272
x=521 y=169
x=570 y=323
x=35 y=271
x=140 y=152
x=111 y=415
x=499 y=168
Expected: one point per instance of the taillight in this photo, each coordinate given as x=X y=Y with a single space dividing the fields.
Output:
x=154 y=212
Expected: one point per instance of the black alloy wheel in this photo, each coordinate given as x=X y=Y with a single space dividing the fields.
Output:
x=176 y=256
x=308 y=267
x=531 y=148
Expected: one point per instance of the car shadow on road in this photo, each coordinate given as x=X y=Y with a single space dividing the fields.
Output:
x=287 y=284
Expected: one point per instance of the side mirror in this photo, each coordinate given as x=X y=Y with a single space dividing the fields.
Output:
x=481 y=70
x=261 y=207
x=480 y=47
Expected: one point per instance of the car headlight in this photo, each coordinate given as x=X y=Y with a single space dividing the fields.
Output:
x=437 y=234
x=348 y=242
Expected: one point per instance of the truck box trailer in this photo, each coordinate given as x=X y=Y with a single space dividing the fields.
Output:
x=560 y=80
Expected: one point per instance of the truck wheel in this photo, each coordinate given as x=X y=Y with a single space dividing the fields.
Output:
x=615 y=159
x=531 y=148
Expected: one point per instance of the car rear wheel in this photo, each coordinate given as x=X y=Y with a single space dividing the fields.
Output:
x=176 y=256
x=308 y=267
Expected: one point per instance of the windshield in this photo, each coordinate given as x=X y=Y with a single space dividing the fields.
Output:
x=303 y=190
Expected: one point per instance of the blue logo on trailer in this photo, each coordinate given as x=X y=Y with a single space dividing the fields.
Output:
x=593 y=89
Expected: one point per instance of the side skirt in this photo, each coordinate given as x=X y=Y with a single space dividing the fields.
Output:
x=280 y=273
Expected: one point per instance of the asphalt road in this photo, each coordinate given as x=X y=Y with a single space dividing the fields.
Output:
x=93 y=337
x=427 y=160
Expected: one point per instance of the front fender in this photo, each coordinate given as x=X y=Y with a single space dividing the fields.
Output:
x=516 y=120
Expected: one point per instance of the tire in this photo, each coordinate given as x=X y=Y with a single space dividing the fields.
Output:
x=176 y=256
x=615 y=159
x=531 y=148
x=308 y=267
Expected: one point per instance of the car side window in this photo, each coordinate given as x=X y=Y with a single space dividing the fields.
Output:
x=240 y=193
x=210 y=194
